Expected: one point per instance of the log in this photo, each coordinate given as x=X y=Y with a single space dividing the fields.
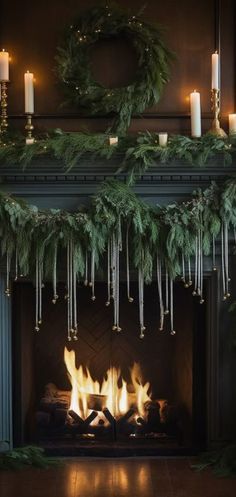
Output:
x=75 y=417
x=96 y=402
x=126 y=416
x=42 y=418
x=90 y=418
x=140 y=421
x=59 y=416
x=109 y=416
x=50 y=404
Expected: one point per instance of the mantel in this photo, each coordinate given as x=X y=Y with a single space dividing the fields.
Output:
x=46 y=183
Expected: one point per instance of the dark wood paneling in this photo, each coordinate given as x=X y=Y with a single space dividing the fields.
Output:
x=31 y=32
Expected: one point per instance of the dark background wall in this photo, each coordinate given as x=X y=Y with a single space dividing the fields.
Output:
x=31 y=31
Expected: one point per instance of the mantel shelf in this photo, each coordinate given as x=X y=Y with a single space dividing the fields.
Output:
x=47 y=183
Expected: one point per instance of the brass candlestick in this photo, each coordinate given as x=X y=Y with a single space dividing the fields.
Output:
x=215 y=101
x=29 y=130
x=3 y=122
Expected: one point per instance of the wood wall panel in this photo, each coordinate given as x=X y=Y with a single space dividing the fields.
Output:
x=31 y=31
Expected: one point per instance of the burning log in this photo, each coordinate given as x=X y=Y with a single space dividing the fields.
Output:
x=75 y=417
x=126 y=416
x=109 y=417
x=90 y=418
x=96 y=402
x=153 y=416
x=140 y=421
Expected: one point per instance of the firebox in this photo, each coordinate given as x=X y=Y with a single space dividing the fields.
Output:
x=109 y=392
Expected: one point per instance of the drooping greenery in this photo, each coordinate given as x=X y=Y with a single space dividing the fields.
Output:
x=26 y=456
x=221 y=461
x=169 y=231
x=75 y=73
x=134 y=155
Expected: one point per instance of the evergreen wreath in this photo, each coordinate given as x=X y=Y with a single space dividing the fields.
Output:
x=74 y=71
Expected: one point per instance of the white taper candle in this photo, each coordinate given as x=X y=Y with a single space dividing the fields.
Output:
x=29 y=93
x=4 y=65
x=215 y=71
x=195 y=108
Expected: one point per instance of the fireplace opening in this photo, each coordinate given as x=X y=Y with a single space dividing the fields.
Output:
x=109 y=391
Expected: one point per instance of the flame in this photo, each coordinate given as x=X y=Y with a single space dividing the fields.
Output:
x=113 y=392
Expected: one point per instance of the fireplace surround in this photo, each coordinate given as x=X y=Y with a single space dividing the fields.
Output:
x=46 y=185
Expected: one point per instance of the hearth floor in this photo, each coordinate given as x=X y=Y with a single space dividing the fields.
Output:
x=164 y=477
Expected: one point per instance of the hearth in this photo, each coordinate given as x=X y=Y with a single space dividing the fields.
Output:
x=109 y=391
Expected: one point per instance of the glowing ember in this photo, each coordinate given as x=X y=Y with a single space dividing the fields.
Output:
x=113 y=393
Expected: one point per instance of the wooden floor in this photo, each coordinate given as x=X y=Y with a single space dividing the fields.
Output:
x=165 y=477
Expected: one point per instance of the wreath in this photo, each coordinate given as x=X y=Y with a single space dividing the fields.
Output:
x=74 y=67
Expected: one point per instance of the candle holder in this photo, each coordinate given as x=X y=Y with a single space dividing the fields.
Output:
x=3 y=119
x=29 y=130
x=215 y=107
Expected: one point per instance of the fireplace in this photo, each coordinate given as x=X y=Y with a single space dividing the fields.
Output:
x=109 y=391
x=164 y=394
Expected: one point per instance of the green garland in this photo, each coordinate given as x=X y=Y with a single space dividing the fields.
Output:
x=168 y=231
x=146 y=152
x=135 y=154
x=222 y=462
x=26 y=456
x=74 y=71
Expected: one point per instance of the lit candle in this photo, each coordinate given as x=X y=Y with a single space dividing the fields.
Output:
x=4 y=65
x=232 y=124
x=195 y=108
x=163 y=137
x=29 y=93
x=215 y=71
x=113 y=140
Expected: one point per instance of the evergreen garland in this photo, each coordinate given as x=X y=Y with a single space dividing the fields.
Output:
x=156 y=239
x=146 y=152
x=222 y=461
x=135 y=154
x=26 y=456
x=168 y=230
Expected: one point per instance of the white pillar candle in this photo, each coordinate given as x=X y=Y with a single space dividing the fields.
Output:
x=29 y=93
x=163 y=137
x=215 y=71
x=232 y=124
x=195 y=108
x=4 y=66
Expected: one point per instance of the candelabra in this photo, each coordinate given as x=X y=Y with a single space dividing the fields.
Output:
x=29 y=130
x=3 y=121
x=215 y=107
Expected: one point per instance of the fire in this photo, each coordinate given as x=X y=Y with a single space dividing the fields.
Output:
x=113 y=393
